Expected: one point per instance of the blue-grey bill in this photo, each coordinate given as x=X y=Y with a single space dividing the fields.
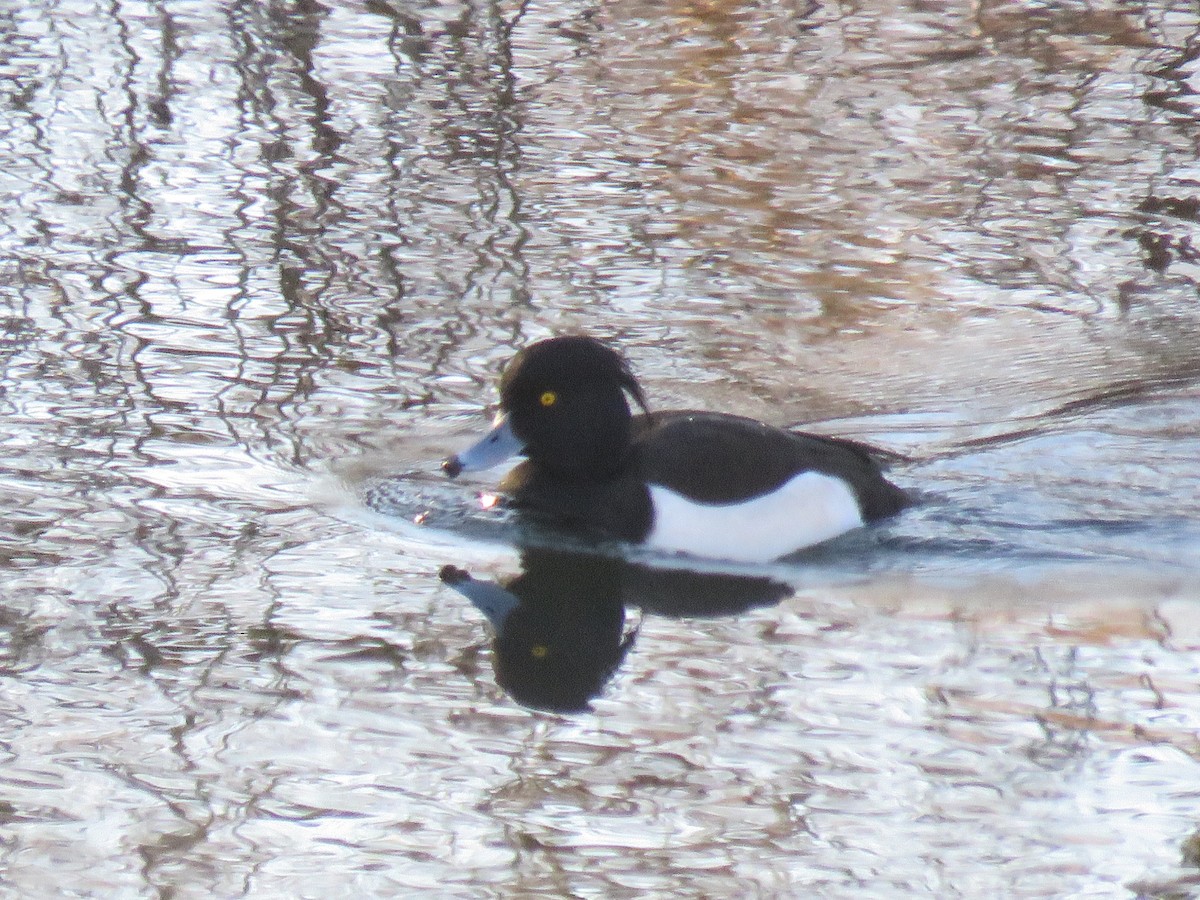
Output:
x=487 y=596
x=495 y=447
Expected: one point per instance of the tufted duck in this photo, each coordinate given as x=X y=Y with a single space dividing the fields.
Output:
x=709 y=484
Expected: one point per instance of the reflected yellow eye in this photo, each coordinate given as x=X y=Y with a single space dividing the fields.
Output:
x=539 y=651
x=549 y=398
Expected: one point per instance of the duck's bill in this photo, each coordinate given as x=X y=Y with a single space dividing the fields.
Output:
x=487 y=596
x=496 y=446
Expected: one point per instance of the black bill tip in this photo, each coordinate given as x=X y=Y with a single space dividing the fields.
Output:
x=453 y=575
x=452 y=467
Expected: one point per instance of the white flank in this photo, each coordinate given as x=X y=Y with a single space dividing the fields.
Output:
x=808 y=509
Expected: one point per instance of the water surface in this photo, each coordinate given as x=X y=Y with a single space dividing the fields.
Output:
x=262 y=258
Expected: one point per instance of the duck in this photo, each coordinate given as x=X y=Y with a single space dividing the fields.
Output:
x=713 y=485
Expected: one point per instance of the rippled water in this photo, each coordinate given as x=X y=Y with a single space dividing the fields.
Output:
x=263 y=261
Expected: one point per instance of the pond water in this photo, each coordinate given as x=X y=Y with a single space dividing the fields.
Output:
x=262 y=264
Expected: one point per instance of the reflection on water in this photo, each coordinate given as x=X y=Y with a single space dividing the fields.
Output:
x=246 y=244
x=560 y=624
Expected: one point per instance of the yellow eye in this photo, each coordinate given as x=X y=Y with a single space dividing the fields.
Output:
x=539 y=651
x=549 y=398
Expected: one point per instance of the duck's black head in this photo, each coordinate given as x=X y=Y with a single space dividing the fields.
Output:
x=565 y=398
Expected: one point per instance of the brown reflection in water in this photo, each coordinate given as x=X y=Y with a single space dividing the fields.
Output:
x=242 y=239
x=878 y=191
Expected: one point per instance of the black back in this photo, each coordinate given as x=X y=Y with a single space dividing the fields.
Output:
x=719 y=458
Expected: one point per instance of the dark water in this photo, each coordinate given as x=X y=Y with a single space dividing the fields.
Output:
x=261 y=259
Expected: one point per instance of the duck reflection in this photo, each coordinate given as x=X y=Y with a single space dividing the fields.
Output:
x=560 y=625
